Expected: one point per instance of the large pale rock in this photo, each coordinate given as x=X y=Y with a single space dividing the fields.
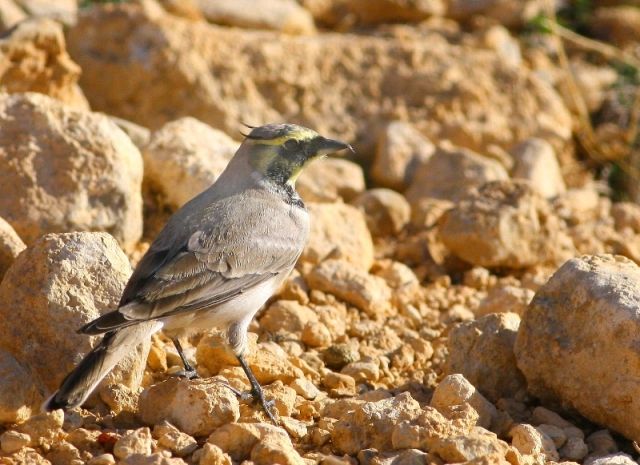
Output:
x=10 y=14
x=504 y=11
x=196 y=407
x=185 y=157
x=386 y=211
x=504 y=224
x=536 y=162
x=368 y=292
x=34 y=58
x=53 y=288
x=332 y=12
x=240 y=439
x=338 y=231
x=400 y=149
x=329 y=180
x=19 y=395
x=333 y=83
x=279 y=15
x=371 y=424
x=451 y=173
x=68 y=170
x=482 y=351
x=455 y=390
x=577 y=341
x=10 y=246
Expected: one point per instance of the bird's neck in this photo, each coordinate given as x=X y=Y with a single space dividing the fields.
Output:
x=285 y=190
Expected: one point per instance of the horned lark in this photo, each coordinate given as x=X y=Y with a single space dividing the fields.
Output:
x=216 y=262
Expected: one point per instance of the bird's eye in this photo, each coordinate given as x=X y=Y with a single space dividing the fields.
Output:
x=292 y=145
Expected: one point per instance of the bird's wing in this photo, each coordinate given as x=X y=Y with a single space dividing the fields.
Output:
x=206 y=271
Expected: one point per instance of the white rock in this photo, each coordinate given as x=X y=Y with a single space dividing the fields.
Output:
x=536 y=162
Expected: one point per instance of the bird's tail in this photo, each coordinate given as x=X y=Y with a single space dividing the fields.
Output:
x=84 y=378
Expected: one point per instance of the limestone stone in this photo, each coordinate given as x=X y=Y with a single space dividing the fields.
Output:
x=576 y=347
x=368 y=292
x=19 y=395
x=452 y=173
x=44 y=429
x=54 y=287
x=371 y=12
x=12 y=441
x=10 y=246
x=63 y=11
x=504 y=224
x=536 y=161
x=184 y=157
x=503 y=299
x=213 y=455
x=171 y=438
x=196 y=407
x=69 y=170
x=338 y=231
x=10 y=14
x=455 y=390
x=482 y=351
x=239 y=439
x=400 y=150
x=279 y=15
x=618 y=24
x=34 y=58
x=137 y=441
x=387 y=212
x=329 y=180
x=531 y=441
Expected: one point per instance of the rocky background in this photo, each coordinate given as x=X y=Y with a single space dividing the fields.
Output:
x=470 y=292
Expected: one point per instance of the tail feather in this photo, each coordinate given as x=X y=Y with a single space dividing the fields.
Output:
x=115 y=345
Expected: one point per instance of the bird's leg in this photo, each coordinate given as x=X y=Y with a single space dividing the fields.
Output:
x=256 y=390
x=189 y=372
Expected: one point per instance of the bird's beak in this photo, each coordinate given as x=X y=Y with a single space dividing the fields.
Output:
x=323 y=146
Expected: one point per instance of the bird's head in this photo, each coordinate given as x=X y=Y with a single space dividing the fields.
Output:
x=279 y=152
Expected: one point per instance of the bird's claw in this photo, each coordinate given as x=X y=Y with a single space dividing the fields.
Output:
x=188 y=374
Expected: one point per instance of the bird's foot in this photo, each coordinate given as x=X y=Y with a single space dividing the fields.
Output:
x=188 y=374
x=269 y=406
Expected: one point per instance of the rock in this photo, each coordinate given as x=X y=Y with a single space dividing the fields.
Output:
x=599 y=312
x=536 y=162
x=197 y=407
x=329 y=180
x=371 y=424
x=339 y=355
x=339 y=385
x=19 y=395
x=345 y=79
x=64 y=11
x=10 y=246
x=279 y=15
x=612 y=459
x=10 y=14
x=34 y=58
x=531 y=441
x=400 y=150
x=30 y=456
x=12 y=441
x=362 y=371
x=504 y=224
x=506 y=46
x=139 y=135
x=213 y=455
x=93 y=178
x=137 y=441
x=386 y=211
x=102 y=459
x=287 y=316
x=305 y=388
x=369 y=293
x=151 y=459
x=268 y=361
x=482 y=351
x=275 y=448
x=184 y=157
x=338 y=231
x=316 y=334
x=239 y=439
x=503 y=299
x=574 y=449
x=617 y=24
x=44 y=429
x=478 y=443
x=455 y=390
x=626 y=215
x=602 y=443
x=451 y=174
x=504 y=11
x=593 y=82
x=331 y=13
x=171 y=438
x=54 y=287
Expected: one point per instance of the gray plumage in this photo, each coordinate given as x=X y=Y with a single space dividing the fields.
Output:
x=215 y=263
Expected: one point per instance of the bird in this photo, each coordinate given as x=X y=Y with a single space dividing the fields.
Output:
x=215 y=263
